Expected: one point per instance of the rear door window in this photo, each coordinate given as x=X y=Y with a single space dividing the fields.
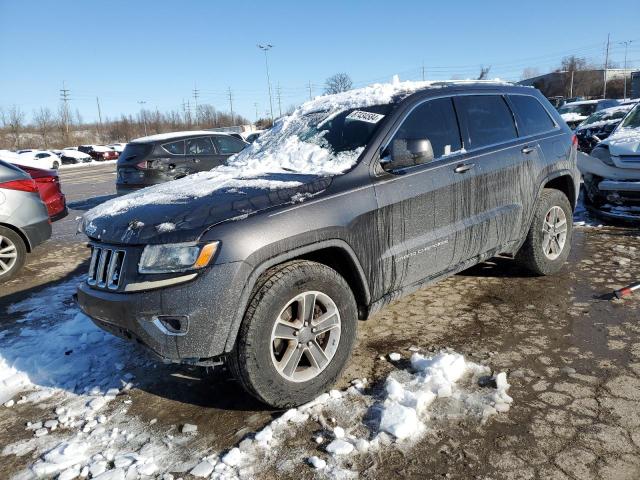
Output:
x=488 y=119
x=200 y=146
x=228 y=145
x=532 y=116
x=434 y=120
x=174 y=148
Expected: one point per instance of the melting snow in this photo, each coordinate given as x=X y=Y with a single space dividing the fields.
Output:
x=80 y=377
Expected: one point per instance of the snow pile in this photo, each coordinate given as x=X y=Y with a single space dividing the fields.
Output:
x=79 y=377
x=407 y=401
x=92 y=163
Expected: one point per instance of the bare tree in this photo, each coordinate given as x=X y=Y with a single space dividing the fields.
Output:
x=529 y=72
x=484 y=72
x=64 y=122
x=43 y=120
x=340 y=82
x=13 y=121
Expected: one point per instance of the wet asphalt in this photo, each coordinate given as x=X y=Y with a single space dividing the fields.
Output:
x=571 y=350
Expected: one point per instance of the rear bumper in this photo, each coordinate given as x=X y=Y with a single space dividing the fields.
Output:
x=38 y=232
x=207 y=306
x=60 y=215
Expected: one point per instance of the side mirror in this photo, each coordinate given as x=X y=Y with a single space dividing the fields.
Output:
x=408 y=152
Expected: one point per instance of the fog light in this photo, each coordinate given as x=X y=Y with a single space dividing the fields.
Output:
x=172 y=324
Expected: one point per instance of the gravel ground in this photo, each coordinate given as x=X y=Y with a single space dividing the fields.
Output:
x=571 y=351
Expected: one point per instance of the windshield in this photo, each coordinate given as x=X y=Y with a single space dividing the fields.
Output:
x=603 y=116
x=632 y=120
x=584 y=109
x=319 y=142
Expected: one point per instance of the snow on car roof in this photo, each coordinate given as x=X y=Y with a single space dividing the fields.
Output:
x=171 y=135
x=278 y=150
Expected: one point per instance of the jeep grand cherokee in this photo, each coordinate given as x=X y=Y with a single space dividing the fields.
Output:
x=355 y=199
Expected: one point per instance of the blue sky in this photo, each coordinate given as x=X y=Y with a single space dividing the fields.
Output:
x=155 y=51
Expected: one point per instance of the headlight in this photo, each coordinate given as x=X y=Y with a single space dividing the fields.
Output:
x=176 y=257
x=603 y=154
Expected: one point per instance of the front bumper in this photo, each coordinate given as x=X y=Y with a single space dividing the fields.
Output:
x=209 y=303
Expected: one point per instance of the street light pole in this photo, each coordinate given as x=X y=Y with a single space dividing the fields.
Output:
x=626 y=45
x=265 y=48
x=143 y=115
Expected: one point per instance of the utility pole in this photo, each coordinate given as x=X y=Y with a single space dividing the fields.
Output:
x=64 y=96
x=310 y=94
x=196 y=94
x=571 y=86
x=279 y=101
x=606 y=66
x=143 y=115
x=626 y=44
x=231 y=106
x=255 y=104
x=265 y=48
x=99 y=117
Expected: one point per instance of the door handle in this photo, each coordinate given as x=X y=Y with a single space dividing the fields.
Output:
x=527 y=149
x=465 y=167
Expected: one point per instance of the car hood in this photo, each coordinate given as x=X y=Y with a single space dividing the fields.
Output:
x=182 y=210
x=573 y=117
x=625 y=141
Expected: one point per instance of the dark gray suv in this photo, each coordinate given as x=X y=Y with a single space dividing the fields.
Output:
x=352 y=201
x=169 y=156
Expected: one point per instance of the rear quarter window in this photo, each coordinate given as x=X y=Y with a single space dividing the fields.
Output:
x=228 y=145
x=532 y=116
x=488 y=119
x=174 y=148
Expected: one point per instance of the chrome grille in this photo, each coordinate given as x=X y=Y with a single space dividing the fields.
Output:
x=105 y=269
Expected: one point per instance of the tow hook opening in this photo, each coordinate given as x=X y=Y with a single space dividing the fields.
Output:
x=172 y=324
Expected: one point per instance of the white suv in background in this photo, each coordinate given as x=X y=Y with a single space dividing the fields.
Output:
x=575 y=113
x=612 y=172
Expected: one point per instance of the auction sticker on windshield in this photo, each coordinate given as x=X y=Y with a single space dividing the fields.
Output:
x=368 y=117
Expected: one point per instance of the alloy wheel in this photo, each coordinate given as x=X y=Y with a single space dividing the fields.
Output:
x=554 y=230
x=305 y=336
x=8 y=255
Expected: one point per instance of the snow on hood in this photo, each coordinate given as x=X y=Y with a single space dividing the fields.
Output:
x=572 y=117
x=624 y=141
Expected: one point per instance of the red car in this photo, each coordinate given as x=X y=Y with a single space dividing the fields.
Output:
x=99 y=152
x=48 y=185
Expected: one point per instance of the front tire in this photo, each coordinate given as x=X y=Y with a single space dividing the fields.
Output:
x=13 y=253
x=297 y=334
x=548 y=242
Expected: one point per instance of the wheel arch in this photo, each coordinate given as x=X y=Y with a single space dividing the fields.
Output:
x=336 y=254
x=20 y=233
x=563 y=182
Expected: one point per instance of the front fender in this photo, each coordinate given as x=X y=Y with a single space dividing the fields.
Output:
x=259 y=269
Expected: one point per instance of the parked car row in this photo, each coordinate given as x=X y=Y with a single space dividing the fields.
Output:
x=30 y=199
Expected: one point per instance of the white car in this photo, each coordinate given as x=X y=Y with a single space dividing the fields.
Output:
x=575 y=113
x=611 y=172
x=39 y=159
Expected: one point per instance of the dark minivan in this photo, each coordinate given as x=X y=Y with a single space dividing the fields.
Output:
x=349 y=203
x=168 y=156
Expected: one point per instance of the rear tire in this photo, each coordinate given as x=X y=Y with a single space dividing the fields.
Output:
x=548 y=242
x=278 y=358
x=56 y=165
x=13 y=253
